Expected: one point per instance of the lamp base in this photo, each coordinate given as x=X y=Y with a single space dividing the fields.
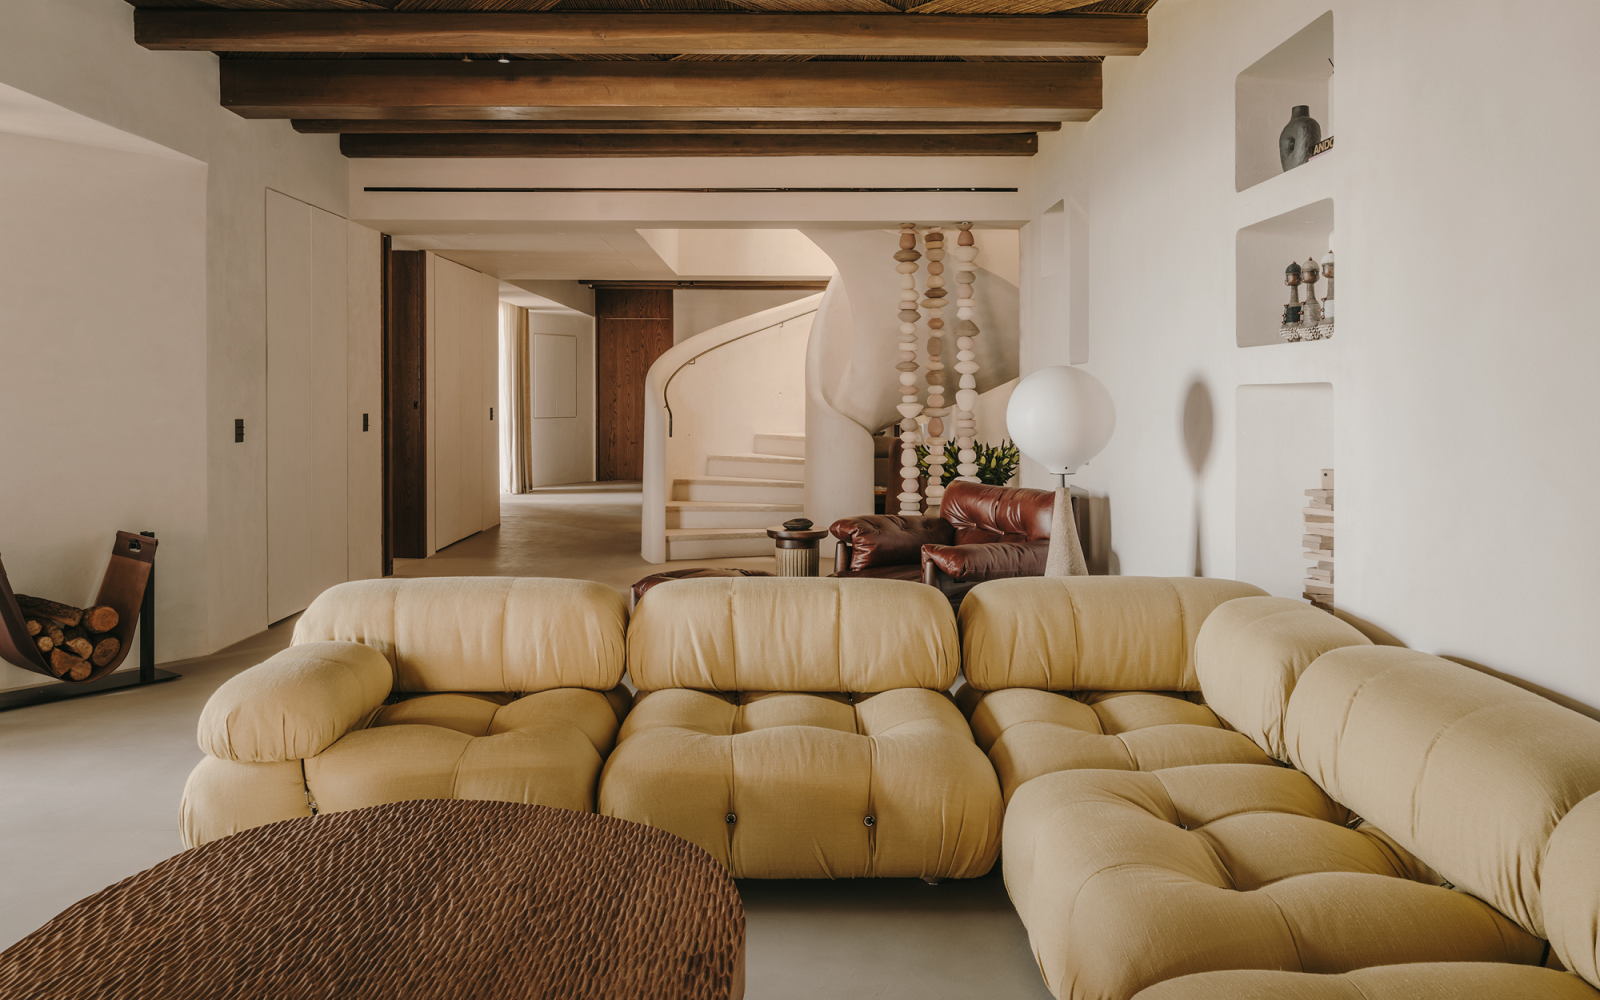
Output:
x=1065 y=556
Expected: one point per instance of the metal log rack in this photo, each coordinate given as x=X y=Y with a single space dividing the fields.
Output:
x=129 y=584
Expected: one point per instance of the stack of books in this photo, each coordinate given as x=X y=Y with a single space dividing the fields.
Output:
x=1318 y=542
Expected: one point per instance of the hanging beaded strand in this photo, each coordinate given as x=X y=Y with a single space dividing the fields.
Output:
x=966 y=252
x=933 y=429
x=907 y=257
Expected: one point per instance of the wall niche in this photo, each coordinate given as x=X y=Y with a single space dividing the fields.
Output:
x=1300 y=71
x=1262 y=252
x=1285 y=440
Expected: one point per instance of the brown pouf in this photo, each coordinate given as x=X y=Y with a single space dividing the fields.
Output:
x=436 y=900
x=687 y=574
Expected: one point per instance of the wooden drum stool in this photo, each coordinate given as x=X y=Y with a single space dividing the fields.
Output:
x=797 y=552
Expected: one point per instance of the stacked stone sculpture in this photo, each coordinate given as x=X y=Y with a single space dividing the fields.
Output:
x=966 y=252
x=910 y=409
x=933 y=414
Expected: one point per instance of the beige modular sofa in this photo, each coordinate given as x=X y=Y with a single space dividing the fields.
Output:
x=1417 y=823
x=471 y=688
x=800 y=728
x=1095 y=672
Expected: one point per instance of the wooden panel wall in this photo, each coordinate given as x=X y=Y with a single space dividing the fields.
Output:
x=405 y=379
x=633 y=327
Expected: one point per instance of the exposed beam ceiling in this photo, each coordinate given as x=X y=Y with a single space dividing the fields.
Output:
x=689 y=144
x=628 y=32
x=934 y=91
x=357 y=126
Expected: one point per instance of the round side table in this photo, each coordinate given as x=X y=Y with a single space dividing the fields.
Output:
x=797 y=552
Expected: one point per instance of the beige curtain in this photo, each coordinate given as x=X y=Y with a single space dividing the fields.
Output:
x=516 y=440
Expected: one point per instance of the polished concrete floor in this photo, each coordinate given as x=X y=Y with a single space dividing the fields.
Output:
x=89 y=794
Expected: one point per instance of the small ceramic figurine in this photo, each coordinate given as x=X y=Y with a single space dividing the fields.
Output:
x=1327 y=300
x=1309 y=276
x=1292 y=312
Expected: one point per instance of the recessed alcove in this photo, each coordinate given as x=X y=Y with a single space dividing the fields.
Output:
x=1262 y=252
x=1285 y=440
x=1300 y=71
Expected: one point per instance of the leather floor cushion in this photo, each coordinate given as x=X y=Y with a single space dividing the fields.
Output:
x=1027 y=732
x=542 y=749
x=1437 y=981
x=1127 y=879
x=802 y=785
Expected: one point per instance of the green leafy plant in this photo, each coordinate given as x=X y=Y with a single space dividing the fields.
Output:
x=997 y=463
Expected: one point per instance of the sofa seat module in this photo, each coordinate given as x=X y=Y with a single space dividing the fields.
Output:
x=473 y=688
x=1064 y=673
x=800 y=728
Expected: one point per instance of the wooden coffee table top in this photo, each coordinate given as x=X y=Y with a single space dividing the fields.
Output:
x=415 y=900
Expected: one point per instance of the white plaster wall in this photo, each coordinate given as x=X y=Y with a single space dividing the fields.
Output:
x=102 y=374
x=563 y=447
x=80 y=55
x=1464 y=365
x=694 y=311
x=463 y=351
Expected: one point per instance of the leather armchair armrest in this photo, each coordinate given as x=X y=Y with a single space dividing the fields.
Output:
x=841 y=557
x=987 y=561
x=295 y=704
x=890 y=539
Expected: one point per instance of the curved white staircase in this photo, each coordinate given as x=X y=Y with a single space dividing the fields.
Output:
x=726 y=512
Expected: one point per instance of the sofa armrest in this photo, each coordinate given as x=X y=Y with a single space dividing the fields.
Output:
x=889 y=539
x=295 y=704
x=841 y=557
x=987 y=561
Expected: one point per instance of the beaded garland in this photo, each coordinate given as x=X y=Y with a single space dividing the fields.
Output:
x=910 y=410
x=966 y=252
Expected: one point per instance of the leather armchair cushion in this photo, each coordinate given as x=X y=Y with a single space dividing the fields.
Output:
x=991 y=561
x=980 y=514
x=890 y=539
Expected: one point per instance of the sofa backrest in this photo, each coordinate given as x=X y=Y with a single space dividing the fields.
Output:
x=1571 y=885
x=793 y=634
x=1250 y=654
x=981 y=514
x=479 y=633
x=1466 y=771
x=1089 y=633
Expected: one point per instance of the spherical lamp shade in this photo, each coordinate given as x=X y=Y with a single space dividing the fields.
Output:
x=1061 y=417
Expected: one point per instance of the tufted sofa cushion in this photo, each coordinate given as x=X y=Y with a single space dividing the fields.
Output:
x=1462 y=768
x=1037 y=652
x=816 y=785
x=1453 y=981
x=793 y=634
x=1126 y=879
x=484 y=634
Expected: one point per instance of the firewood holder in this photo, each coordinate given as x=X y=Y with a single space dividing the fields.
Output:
x=129 y=584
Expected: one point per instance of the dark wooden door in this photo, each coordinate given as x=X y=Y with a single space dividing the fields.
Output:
x=405 y=409
x=633 y=327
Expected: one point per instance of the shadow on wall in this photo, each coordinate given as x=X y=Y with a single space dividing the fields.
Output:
x=1199 y=427
x=1100 y=556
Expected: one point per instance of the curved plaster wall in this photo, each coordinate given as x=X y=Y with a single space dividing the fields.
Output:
x=850 y=386
x=751 y=382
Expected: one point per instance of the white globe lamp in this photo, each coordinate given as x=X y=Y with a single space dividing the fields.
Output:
x=1061 y=417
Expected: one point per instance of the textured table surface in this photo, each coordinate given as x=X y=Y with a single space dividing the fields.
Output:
x=415 y=900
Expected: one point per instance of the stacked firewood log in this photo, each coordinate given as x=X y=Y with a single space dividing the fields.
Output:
x=73 y=641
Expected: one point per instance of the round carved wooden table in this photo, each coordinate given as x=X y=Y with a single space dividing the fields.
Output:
x=796 y=549
x=415 y=900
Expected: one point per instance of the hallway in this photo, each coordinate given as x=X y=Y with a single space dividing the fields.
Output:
x=582 y=531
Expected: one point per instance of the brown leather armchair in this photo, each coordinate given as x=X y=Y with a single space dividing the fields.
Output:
x=981 y=533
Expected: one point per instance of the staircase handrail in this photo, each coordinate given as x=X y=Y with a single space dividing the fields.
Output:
x=666 y=401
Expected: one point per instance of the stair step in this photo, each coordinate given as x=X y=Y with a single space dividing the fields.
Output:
x=714 y=514
x=793 y=445
x=738 y=489
x=786 y=467
x=721 y=543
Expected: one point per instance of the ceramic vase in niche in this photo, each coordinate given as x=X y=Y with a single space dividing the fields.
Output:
x=1298 y=137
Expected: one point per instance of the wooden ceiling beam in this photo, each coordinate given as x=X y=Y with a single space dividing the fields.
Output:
x=358 y=126
x=724 y=144
x=625 y=32
x=683 y=91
